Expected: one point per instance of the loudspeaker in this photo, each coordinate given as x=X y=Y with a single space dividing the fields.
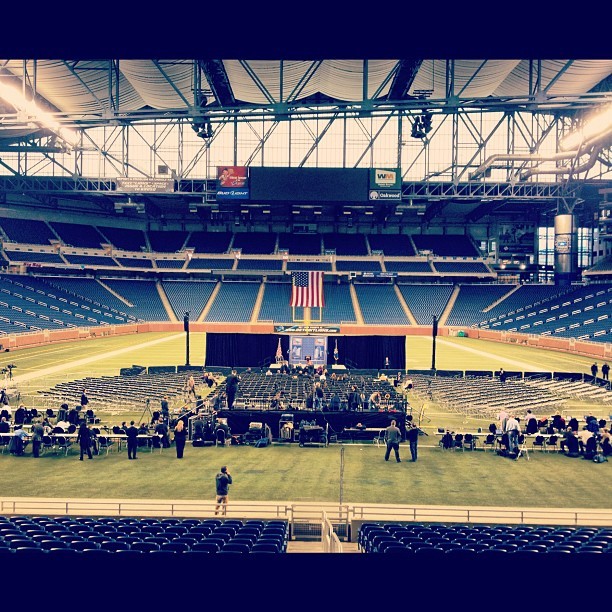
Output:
x=186 y=322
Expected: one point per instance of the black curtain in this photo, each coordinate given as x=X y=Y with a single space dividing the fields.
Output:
x=259 y=350
x=243 y=350
x=369 y=352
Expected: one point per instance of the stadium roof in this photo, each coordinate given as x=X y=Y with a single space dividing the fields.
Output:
x=89 y=92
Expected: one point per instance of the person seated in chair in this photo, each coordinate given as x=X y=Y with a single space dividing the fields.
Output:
x=73 y=415
x=143 y=429
x=531 y=423
x=592 y=425
x=20 y=415
x=447 y=440
x=5 y=426
x=570 y=442
x=62 y=413
x=61 y=426
x=558 y=423
x=222 y=425
x=18 y=442
x=198 y=429
x=590 y=449
x=583 y=435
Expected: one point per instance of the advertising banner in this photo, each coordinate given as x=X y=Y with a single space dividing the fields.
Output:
x=385 y=185
x=144 y=185
x=232 y=183
x=307 y=329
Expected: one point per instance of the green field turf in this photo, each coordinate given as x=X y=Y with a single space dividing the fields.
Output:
x=291 y=473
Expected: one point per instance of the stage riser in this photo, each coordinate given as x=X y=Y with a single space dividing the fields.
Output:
x=238 y=420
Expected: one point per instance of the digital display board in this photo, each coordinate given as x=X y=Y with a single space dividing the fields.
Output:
x=309 y=184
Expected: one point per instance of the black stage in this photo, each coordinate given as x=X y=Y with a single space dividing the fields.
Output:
x=337 y=422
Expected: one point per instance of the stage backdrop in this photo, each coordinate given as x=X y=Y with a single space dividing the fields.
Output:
x=259 y=350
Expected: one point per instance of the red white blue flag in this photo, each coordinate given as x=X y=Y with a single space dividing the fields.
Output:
x=307 y=289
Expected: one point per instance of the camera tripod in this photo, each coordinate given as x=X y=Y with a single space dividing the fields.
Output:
x=147 y=408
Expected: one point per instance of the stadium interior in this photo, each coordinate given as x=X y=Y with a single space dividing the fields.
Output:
x=437 y=197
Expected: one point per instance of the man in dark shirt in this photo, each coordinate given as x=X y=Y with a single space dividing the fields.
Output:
x=38 y=431
x=412 y=435
x=161 y=429
x=353 y=399
x=132 y=440
x=223 y=480
x=231 y=387
x=605 y=371
x=165 y=410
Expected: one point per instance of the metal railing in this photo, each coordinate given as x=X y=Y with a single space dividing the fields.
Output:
x=344 y=518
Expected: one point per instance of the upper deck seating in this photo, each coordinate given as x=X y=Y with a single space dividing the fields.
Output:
x=461 y=267
x=78 y=235
x=125 y=239
x=167 y=241
x=346 y=244
x=447 y=245
x=300 y=244
x=408 y=266
x=27 y=231
x=255 y=243
x=209 y=242
x=392 y=245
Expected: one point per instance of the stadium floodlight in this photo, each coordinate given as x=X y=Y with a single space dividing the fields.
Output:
x=417 y=129
x=426 y=122
x=594 y=126
x=30 y=112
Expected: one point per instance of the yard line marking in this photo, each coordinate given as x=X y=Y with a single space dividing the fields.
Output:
x=80 y=362
x=521 y=364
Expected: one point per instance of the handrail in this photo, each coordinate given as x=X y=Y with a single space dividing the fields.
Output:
x=307 y=511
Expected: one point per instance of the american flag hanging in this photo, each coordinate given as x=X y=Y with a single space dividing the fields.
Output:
x=279 y=351
x=307 y=289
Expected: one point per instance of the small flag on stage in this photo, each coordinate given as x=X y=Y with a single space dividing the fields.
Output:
x=336 y=351
x=307 y=289
x=279 y=351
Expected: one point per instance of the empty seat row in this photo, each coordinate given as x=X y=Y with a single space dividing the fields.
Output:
x=471 y=538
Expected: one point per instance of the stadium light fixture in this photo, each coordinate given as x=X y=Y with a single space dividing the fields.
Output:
x=594 y=126
x=30 y=112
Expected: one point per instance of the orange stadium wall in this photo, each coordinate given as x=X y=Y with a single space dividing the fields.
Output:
x=27 y=340
x=567 y=345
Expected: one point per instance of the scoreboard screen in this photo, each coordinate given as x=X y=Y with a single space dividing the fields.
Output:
x=309 y=184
